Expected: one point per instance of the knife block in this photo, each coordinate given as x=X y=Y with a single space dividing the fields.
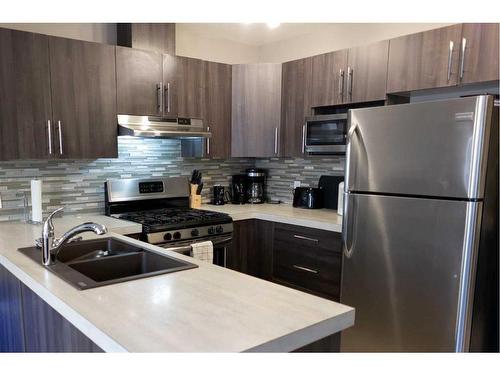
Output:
x=194 y=199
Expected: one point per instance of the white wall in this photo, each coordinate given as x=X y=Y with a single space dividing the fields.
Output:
x=93 y=32
x=213 y=49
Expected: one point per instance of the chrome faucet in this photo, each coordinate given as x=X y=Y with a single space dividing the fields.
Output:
x=51 y=245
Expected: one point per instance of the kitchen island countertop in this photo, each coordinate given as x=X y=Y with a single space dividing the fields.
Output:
x=206 y=309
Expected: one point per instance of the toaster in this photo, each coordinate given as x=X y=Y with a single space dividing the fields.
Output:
x=308 y=197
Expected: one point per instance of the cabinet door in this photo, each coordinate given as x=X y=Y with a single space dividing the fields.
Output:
x=218 y=109
x=11 y=324
x=295 y=105
x=256 y=110
x=479 y=47
x=25 y=103
x=191 y=93
x=169 y=86
x=252 y=248
x=46 y=330
x=83 y=86
x=138 y=82
x=328 y=78
x=367 y=72
x=424 y=60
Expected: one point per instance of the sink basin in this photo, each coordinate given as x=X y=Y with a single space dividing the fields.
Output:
x=94 y=263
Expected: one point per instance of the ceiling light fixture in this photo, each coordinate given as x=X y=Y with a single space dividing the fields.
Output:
x=273 y=25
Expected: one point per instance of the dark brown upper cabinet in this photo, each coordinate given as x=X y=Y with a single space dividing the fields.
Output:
x=328 y=78
x=83 y=88
x=139 y=81
x=169 y=86
x=159 y=37
x=295 y=105
x=25 y=103
x=191 y=87
x=424 y=60
x=256 y=110
x=218 y=109
x=479 y=52
x=367 y=73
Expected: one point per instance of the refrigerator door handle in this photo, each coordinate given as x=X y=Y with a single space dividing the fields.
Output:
x=346 y=232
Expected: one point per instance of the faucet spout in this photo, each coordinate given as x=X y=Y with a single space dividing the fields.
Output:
x=51 y=246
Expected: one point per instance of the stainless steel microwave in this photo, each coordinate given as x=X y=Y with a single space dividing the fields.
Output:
x=325 y=134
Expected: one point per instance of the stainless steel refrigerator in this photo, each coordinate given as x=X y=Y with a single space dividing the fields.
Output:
x=420 y=227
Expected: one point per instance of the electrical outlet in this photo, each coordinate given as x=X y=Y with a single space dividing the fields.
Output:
x=296 y=184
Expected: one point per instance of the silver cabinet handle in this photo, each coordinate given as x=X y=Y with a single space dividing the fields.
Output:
x=59 y=129
x=341 y=84
x=276 y=140
x=305 y=269
x=167 y=89
x=159 y=96
x=49 y=134
x=305 y=238
x=462 y=58
x=350 y=74
x=208 y=142
x=450 y=58
x=304 y=139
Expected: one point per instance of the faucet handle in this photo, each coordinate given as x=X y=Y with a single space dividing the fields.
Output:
x=47 y=225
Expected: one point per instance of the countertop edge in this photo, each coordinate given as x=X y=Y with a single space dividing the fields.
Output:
x=307 y=335
x=102 y=340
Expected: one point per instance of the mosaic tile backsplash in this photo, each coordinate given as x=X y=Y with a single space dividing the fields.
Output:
x=78 y=185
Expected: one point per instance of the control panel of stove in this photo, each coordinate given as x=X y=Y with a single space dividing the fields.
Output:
x=189 y=233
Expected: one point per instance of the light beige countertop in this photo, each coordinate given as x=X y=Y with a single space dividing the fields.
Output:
x=282 y=213
x=206 y=309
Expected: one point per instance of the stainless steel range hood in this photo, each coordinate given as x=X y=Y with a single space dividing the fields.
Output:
x=158 y=127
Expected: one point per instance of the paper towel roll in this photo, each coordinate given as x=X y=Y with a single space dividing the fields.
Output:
x=36 y=201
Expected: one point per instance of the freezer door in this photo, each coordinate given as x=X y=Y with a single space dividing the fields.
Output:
x=434 y=149
x=402 y=272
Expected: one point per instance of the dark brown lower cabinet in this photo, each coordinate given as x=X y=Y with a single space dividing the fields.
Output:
x=29 y=324
x=251 y=251
x=307 y=259
x=303 y=258
x=11 y=322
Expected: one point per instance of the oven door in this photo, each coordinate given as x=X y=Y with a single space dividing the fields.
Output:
x=221 y=244
x=326 y=134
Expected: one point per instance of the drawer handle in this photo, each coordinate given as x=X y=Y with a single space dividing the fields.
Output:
x=305 y=238
x=305 y=269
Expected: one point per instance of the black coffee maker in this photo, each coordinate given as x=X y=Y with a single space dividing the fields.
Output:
x=238 y=187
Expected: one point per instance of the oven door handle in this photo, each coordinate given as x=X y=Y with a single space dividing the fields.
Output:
x=217 y=242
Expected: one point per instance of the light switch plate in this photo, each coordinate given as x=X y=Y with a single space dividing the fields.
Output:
x=296 y=184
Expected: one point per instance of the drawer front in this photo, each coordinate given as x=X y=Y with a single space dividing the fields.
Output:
x=308 y=238
x=308 y=259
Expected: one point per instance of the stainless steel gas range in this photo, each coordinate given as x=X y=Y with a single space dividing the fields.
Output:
x=161 y=206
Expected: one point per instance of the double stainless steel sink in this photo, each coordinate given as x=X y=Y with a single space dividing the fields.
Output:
x=94 y=263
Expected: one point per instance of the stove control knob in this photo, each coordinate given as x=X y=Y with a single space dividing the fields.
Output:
x=211 y=230
x=167 y=236
x=177 y=236
x=195 y=233
x=219 y=229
